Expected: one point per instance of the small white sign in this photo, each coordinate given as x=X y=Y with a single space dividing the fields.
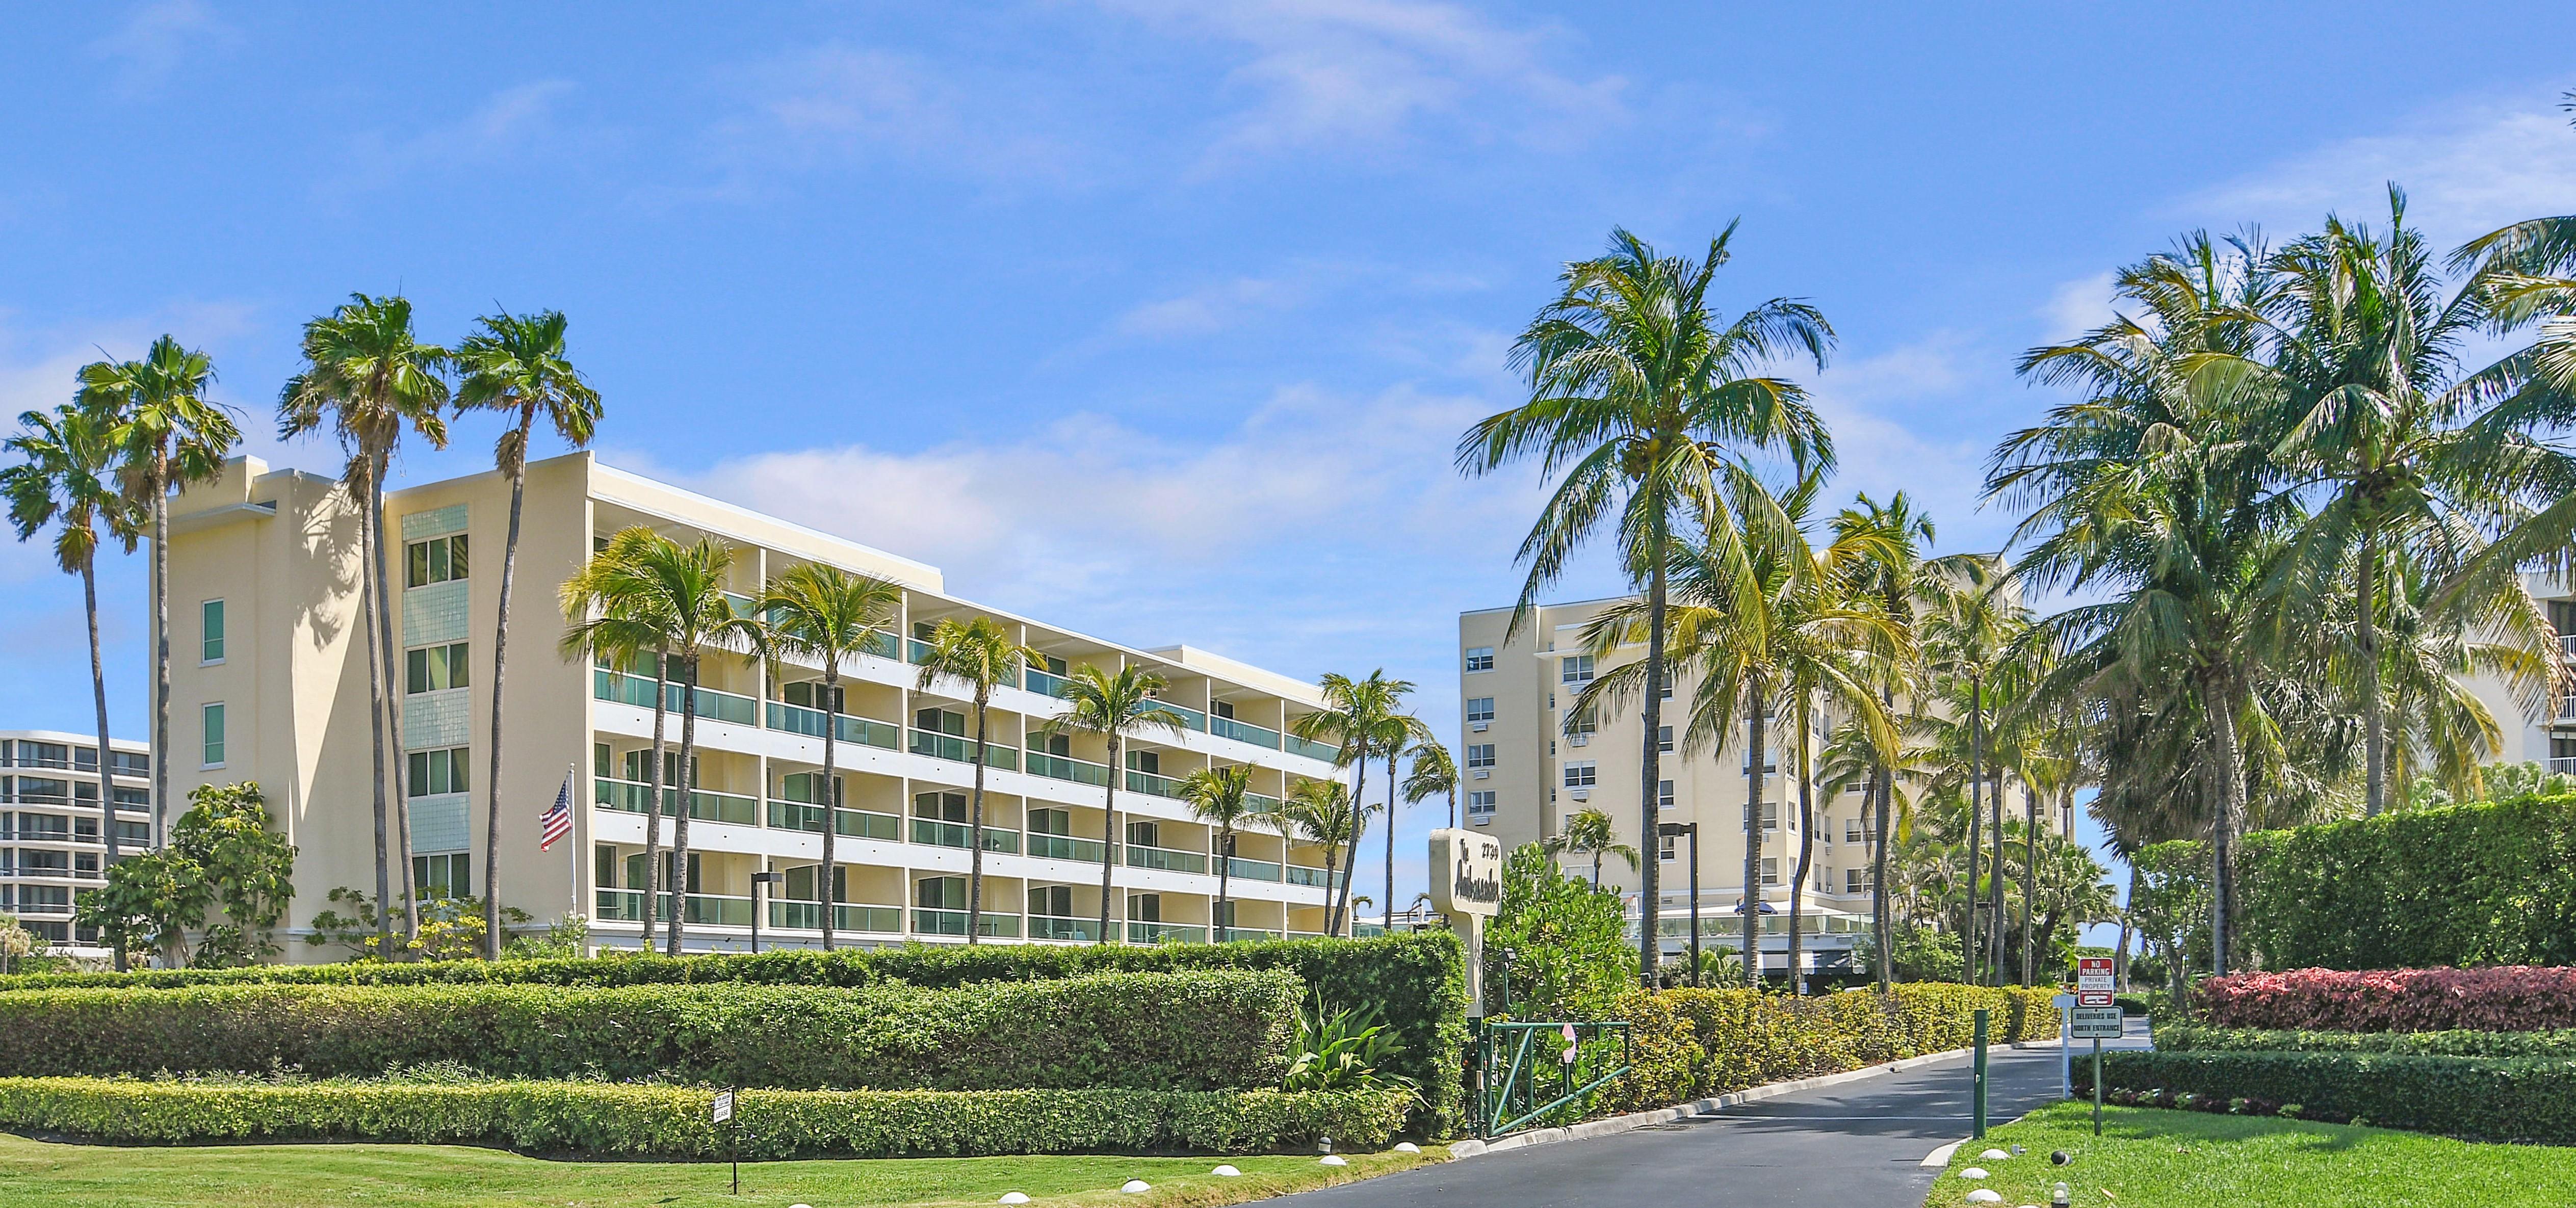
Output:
x=724 y=1106
x=2096 y=1023
x=1466 y=872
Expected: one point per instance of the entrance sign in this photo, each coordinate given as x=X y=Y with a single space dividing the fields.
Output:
x=2096 y=1023
x=1467 y=885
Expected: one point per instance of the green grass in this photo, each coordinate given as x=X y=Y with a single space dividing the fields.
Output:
x=41 y=1174
x=2152 y=1158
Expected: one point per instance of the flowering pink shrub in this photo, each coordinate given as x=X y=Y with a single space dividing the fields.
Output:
x=2505 y=998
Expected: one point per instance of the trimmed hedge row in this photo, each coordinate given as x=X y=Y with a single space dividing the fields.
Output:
x=1416 y=981
x=2189 y=1037
x=2476 y=1098
x=670 y=1122
x=2466 y=885
x=1207 y=1029
x=1690 y=1044
x=2512 y=998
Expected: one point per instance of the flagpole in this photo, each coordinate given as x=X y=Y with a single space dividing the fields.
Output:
x=572 y=772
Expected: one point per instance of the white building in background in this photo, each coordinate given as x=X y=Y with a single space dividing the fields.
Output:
x=50 y=846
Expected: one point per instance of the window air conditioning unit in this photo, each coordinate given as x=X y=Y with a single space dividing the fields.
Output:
x=1481 y=819
x=1483 y=773
x=1477 y=726
x=1578 y=740
x=1580 y=794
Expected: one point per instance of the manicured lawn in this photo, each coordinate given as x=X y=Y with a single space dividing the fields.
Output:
x=2151 y=1158
x=41 y=1173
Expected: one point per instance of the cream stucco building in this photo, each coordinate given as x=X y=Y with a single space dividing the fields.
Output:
x=51 y=850
x=269 y=683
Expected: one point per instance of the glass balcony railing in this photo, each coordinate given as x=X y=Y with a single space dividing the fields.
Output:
x=1190 y=717
x=1360 y=930
x=1050 y=927
x=637 y=690
x=1165 y=933
x=1153 y=785
x=1251 y=870
x=1059 y=767
x=1229 y=935
x=808 y=916
x=797 y=719
x=629 y=796
x=1064 y=847
x=1167 y=859
x=1227 y=727
x=1300 y=874
x=1044 y=683
x=1311 y=749
x=959 y=750
x=953 y=922
x=714 y=910
x=958 y=834
x=1261 y=804
x=917 y=651
x=881 y=644
x=849 y=823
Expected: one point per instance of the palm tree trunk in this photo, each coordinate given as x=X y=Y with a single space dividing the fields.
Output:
x=1806 y=852
x=2374 y=714
x=653 y=805
x=106 y=757
x=500 y=670
x=368 y=604
x=1754 y=786
x=393 y=709
x=1109 y=834
x=160 y=488
x=1224 y=869
x=1340 y=907
x=2120 y=955
x=1388 y=914
x=2029 y=878
x=1453 y=801
x=674 y=938
x=1350 y=904
x=1976 y=819
x=1995 y=885
x=1596 y=870
x=1650 y=944
x=975 y=824
x=830 y=792
x=2223 y=827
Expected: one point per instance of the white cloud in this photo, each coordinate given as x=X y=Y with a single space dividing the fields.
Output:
x=839 y=103
x=512 y=123
x=2467 y=168
x=156 y=40
x=2077 y=306
x=1211 y=309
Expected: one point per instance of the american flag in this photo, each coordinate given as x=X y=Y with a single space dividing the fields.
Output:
x=556 y=822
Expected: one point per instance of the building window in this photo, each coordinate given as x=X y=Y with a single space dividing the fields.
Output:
x=1663 y=794
x=1578 y=775
x=940 y=893
x=435 y=772
x=1770 y=815
x=1855 y=880
x=940 y=807
x=1575 y=669
x=212 y=721
x=1480 y=658
x=436 y=560
x=1480 y=708
x=1770 y=870
x=1480 y=755
x=1669 y=850
x=1664 y=739
x=1050 y=822
x=433 y=668
x=1051 y=901
x=210 y=636
x=1480 y=804
x=130 y=763
x=447 y=876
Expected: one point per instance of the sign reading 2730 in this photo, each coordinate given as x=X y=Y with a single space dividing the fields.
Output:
x=1466 y=872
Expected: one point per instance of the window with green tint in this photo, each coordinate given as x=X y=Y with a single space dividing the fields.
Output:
x=435 y=668
x=1054 y=900
x=940 y=893
x=604 y=866
x=799 y=787
x=212 y=719
x=1051 y=822
x=444 y=876
x=436 y=560
x=940 y=721
x=942 y=807
x=210 y=617
x=440 y=771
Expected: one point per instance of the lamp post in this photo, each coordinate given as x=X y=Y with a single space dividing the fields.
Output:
x=1690 y=829
x=766 y=876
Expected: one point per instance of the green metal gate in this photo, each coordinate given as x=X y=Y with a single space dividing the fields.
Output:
x=1524 y=1070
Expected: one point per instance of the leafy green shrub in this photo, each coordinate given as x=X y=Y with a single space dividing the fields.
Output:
x=671 y=1122
x=2516 y=1099
x=1688 y=1044
x=2190 y=1037
x=1201 y=1030
x=1345 y=1050
x=1569 y=952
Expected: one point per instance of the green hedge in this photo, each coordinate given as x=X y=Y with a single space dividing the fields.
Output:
x=1690 y=1044
x=1206 y=1029
x=2478 y=1098
x=2192 y=1037
x=1416 y=981
x=670 y=1122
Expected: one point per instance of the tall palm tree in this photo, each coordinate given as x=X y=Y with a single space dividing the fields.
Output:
x=367 y=378
x=1356 y=717
x=1434 y=771
x=981 y=653
x=1591 y=832
x=167 y=434
x=680 y=588
x=516 y=365
x=1115 y=705
x=1638 y=393
x=67 y=478
x=1222 y=798
x=1319 y=811
x=1395 y=735
x=1897 y=577
x=618 y=616
x=828 y=615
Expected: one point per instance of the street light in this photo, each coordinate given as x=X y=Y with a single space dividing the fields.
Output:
x=1691 y=829
x=766 y=876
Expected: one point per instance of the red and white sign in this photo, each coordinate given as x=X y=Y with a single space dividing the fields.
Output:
x=2093 y=981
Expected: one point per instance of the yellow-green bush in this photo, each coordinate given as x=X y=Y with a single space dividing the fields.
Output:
x=1690 y=1044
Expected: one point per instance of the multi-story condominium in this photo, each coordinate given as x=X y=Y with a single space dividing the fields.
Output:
x=270 y=684
x=50 y=846
x=1525 y=773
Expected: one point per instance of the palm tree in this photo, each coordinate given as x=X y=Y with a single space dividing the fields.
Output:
x=981 y=653
x=679 y=589
x=1356 y=717
x=1896 y=577
x=1114 y=705
x=167 y=434
x=1589 y=831
x=367 y=378
x=516 y=365
x=617 y=617
x=68 y=479
x=1220 y=797
x=1637 y=393
x=1434 y=771
x=827 y=614
x=1320 y=812
x=1395 y=735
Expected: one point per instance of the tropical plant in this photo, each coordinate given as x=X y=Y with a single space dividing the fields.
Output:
x=1360 y=717
x=828 y=615
x=1642 y=398
x=1394 y=735
x=1116 y=705
x=1434 y=771
x=516 y=365
x=367 y=378
x=616 y=620
x=17 y=944
x=1590 y=832
x=1319 y=812
x=67 y=478
x=1221 y=797
x=1557 y=948
x=1345 y=1050
x=223 y=874
x=1896 y=575
x=451 y=929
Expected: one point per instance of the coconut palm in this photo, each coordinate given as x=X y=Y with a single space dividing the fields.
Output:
x=617 y=618
x=516 y=365
x=367 y=378
x=1394 y=736
x=1319 y=812
x=1434 y=771
x=67 y=478
x=1115 y=705
x=1590 y=832
x=1639 y=394
x=829 y=615
x=1355 y=717
x=1222 y=798
x=983 y=655
x=1897 y=577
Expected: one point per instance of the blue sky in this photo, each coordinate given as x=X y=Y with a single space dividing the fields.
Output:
x=1159 y=319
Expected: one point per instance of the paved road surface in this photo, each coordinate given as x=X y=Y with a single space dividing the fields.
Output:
x=1859 y=1144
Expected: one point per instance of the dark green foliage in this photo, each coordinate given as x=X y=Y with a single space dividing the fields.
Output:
x=671 y=1122
x=1689 y=1044
x=2558 y=1043
x=1569 y=953
x=2476 y=1098
x=1208 y=1029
